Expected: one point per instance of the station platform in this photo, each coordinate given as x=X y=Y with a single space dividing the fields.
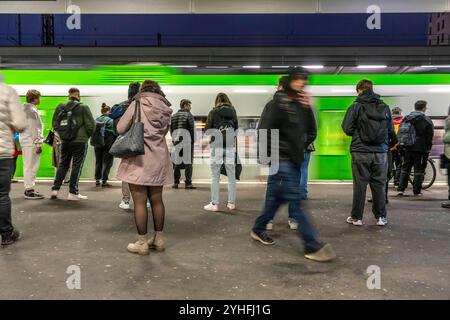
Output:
x=211 y=256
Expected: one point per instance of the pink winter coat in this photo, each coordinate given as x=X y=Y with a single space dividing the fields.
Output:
x=155 y=167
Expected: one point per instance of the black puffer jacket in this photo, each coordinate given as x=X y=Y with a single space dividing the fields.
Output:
x=296 y=124
x=424 y=132
x=183 y=119
x=351 y=123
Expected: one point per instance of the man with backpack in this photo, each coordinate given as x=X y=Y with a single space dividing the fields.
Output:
x=368 y=121
x=74 y=124
x=415 y=136
x=183 y=120
x=117 y=111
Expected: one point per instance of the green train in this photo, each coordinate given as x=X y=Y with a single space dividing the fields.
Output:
x=248 y=93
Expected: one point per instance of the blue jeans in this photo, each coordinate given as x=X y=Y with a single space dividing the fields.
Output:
x=304 y=175
x=6 y=167
x=283 y=187
x=218 y=157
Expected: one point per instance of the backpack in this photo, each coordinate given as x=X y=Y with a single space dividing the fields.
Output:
x=373 y=123
x=66 y=126
x=98 y=136
x=406 y=133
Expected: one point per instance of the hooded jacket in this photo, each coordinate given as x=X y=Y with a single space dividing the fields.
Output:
x=351 y=123
x=424 y=132
x=33 y=136
x=219 y=114
x=296 y=124
x=12 y=119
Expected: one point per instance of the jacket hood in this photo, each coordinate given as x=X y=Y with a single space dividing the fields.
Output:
x=368 y=97
x=153 y=103
x=225 y=111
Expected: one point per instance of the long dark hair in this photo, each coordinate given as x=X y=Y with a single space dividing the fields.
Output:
x=221 y=100
x=151 y=86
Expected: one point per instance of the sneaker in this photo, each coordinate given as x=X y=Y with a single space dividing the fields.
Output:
x=420 y=194
x=400 y=193
x=8 y=238
x=445 y=205
x=269 y=226
x=262 y=237
x=382 y=221
x=211 y=207
x=190 y=187
x=148 y=204
x=32 y=195
x=324 y=254
x=231 y=206
x=76 y=197
x=124 y=205
x=97 y=183
x=54 y=195
x=175 y=186
x=14 y=181
x=293 y=225
x=354 y=222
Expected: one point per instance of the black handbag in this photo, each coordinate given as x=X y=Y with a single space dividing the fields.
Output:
x=238 y=168
x=50 y=138
x=131 y=144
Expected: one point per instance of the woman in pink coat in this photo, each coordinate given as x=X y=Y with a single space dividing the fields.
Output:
x=147 y=174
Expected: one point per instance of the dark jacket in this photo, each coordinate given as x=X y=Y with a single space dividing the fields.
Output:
x=183 y=119
x=219 y=114
x=296 y=124
x=117 y=111
x=82 y=116
x=352 y=120
x=424 y=132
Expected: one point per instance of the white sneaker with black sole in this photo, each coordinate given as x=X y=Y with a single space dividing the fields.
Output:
x=76 y=197
x=124 y=205
x=354 y=222
x=54 y=195
x=211 y=207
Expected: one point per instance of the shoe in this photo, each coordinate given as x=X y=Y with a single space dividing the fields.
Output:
x=369 y=200
x=175 y=186
x=157 y=242
x=97 y=183
x=293 y=225
x=124 y=205
x=54 y=195
x=418 y=194
x=354 y=222
x=382 y=221
x=324 y=254
x=66 y=181
x=445 y=205
x=231 y=206
x=140 y=246
x=76 y=197
x=10 y=237
x=211 y=207
x=190 y=187
x=401 y=193
x=14 y=181
x=262 y=237
x=269 y=226
x=32 y=195
x=148 y=204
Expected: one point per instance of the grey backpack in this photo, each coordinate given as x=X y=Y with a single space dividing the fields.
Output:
x=406 y=134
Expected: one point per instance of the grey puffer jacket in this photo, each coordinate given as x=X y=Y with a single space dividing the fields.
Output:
x=12 y=119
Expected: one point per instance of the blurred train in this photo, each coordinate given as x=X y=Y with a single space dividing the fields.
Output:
x=249 y=94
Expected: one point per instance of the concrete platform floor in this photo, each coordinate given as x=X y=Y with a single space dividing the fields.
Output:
x=211 y=256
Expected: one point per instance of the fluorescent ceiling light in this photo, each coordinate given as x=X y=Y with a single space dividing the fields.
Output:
x=251 y=91
x=251 y=67
x=436 y=66
x=216 y=67
x=371 y=66
x=280 y=67
x=316 y=66
x=185 y=66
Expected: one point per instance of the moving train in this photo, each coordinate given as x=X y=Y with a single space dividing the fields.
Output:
x=249 y=93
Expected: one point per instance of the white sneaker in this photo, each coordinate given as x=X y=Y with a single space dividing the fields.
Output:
x=148 y=204
x=211 y=207
x=382 y=221
x=269 y=226
x=54 y=194
x=124 y=205
x=76 y=197
x=354 y=222
x=293 y=225
x=231 y=206
x=400 y=193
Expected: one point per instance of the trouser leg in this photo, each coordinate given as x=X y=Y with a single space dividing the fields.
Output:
x=361 y=175
x=108 y=161
x=98 y=163
x=188 y=174
x=407 y=164
x=378 y=179
x=126 y=194
x=177 y=173
x=420 y=164
x=230 y=168
x=272 y=203
x=6 y=166
x=79 y=155
x=63 y=166
x=31 y=161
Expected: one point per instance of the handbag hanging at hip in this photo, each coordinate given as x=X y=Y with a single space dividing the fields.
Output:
x=131 y=144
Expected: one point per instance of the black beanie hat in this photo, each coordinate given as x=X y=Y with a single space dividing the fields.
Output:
x=298 y=73
x=133 y=89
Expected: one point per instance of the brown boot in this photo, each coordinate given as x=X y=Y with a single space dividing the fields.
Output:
x=157 y=242
x=140 y=246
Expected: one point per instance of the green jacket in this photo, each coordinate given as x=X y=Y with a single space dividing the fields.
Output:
x=109 y=124
x=83 y=117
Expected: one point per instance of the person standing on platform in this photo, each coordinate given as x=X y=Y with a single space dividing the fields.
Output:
x=183 y=120
x=295 y=124
x=12 y=119
x=446 y=157
x=17 y=153
x=75 y=124
x=369 y=122
x=116 y=114
x=31 y=141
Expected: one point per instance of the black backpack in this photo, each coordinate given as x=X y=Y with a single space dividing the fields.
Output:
x=67 y=127
x=406 y=134
x=373 y=123
x=98 y=137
